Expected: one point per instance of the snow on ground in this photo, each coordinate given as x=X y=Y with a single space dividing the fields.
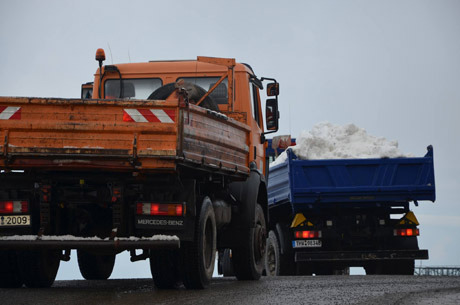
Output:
x=329 y=141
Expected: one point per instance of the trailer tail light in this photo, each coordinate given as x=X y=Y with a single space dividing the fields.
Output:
x=14 y=207
x=307 y=234
x=160 y=209
x=406 y=232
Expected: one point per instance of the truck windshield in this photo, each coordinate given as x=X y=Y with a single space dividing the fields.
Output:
x=219 y=95
x=132 y=88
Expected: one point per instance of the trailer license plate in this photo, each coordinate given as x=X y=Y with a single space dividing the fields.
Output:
x=310 y=243
x=16 y=220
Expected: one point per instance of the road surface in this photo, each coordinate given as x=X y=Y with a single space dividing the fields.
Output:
x=355 y=289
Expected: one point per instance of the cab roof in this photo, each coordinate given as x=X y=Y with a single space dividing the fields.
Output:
x=177 y=66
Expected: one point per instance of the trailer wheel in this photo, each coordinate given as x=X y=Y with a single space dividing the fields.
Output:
x=39 y=268
x=165 y=91
x=396 y=267
x=404 y=267
x=249 y=258
x=164 y=266
x=9 y=271
x=272 y=261
x=287 y=264
x=95 y=266
x=199 y=255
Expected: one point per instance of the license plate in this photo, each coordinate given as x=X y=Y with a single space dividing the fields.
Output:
x=309 y=243
x=16 y=220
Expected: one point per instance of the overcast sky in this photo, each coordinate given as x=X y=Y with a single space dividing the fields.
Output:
x=390 y=67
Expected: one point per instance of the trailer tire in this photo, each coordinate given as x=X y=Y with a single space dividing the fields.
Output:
x=165 y=269
x=165 y=91
x=404 y=267
x=9 y=271
x=287 y=264
x=95 y=266
x=272 y=261
x=38 y=268
x=199 y=256
x=249 y=257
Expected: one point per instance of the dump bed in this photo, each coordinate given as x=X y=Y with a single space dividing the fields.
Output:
x=320 y=182
x=119 y=135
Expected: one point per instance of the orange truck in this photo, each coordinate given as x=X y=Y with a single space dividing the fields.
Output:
x=166 y=161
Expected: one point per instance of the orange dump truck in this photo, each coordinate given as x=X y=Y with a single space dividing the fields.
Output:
x=167 y=158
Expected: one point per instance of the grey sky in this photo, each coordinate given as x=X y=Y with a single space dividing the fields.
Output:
x=391 y=67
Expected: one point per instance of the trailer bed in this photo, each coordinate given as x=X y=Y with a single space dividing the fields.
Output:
x=386 y=181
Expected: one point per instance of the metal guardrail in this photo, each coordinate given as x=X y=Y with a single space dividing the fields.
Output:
x=437 y=271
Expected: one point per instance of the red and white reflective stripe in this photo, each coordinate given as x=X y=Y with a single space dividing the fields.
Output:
x=10 y=113
x=149 y=115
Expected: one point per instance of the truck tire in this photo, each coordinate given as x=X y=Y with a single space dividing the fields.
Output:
x=404 y=267
x=38 y=268
x=95 y=266
x=9 y=271
x=164 y=266
x=272 y=261
x=399 y=267
x=304 y=268
x=396 y=267
x=199 y=256
x=287 y=264
x=249 y=258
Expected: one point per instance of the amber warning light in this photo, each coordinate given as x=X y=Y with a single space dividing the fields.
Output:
x=100 y=55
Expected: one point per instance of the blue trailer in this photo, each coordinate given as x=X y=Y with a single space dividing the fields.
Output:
x=328 y=215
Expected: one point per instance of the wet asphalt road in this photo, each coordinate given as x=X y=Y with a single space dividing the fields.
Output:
x=278 y=290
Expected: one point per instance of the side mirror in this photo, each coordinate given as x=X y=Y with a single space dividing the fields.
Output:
x=272 y=114
x=273 y=89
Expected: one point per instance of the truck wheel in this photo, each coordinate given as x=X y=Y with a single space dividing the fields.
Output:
x=405 y=267
x=164 y=266
x=249 y=258
x=199 y=255
x=94 y=266
x=9 y=271
x=272 y=261
x=287 y=264
x=38 y=269
x=304 y=268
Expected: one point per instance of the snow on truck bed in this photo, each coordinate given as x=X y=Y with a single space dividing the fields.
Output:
x=329 y=141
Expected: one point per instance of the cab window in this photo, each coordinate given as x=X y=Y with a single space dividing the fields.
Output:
x=132 y=88
x=254 y=99
x=218 y=95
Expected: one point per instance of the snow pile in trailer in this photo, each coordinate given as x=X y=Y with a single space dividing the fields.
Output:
x=329 y=141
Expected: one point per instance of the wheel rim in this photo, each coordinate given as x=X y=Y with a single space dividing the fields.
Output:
x=208 y=244
x=259 y=242
x=271 y=260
